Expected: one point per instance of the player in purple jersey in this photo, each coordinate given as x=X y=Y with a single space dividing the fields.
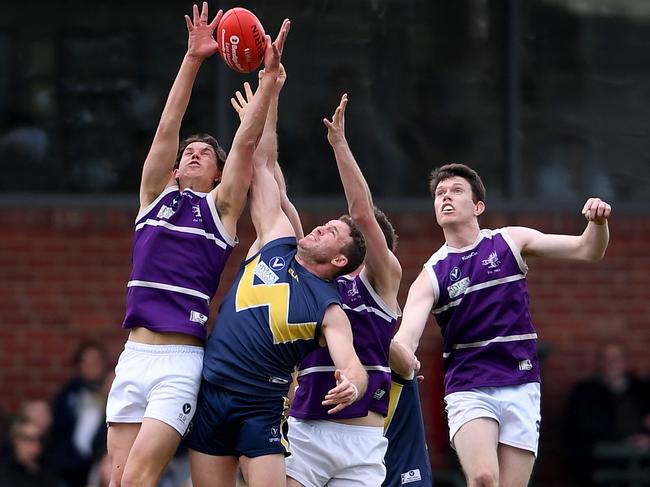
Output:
x=349 y=445
x=282 y=304
x=185 y=230
x=475 y=284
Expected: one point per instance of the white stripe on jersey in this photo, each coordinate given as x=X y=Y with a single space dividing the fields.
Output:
x=331 y=368
x=168 y=287
x=477 y=287
x=499 y=339
x=369 y=309
x=174 y=228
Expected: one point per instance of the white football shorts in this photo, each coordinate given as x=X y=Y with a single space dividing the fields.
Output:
x=515 y=408
x=156 y=381
x=336 y=454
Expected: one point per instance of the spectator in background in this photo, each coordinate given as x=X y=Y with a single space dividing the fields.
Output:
x=610 y=407
x=22 y=465
x=39 y=412
x=79 y=416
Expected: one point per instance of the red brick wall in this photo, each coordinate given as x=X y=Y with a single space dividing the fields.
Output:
x=63 y=275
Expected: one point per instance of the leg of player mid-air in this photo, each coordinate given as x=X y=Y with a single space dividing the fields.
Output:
x=476 y=444
x=213 y=471
x=153 y=446
x=515 y=466
x=264 y=471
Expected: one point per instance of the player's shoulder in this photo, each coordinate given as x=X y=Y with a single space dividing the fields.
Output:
x=280 y=246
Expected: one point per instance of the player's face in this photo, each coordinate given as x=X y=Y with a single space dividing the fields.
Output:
x=199 y=161
x=453 y=202
x=325 y=242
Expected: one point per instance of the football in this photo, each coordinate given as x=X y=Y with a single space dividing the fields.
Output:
x=241 y=40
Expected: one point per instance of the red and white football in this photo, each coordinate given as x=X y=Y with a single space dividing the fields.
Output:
x=241 y=40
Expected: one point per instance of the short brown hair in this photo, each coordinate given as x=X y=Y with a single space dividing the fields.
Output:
x=462 y=171
x=355 y=251
x=386 y=228
x=207 y=139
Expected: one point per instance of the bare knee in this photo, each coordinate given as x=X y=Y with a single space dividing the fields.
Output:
x=483 y=477
x=142 y=478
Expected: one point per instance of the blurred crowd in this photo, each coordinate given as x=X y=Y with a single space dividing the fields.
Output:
x=607 y=424
x=62 y=443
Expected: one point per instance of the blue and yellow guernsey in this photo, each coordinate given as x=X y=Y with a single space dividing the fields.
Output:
x=269 y=320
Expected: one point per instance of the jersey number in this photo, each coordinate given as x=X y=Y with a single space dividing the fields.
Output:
x=276 y=298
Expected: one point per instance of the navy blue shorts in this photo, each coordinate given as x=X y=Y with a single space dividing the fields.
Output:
x=407 y=457
x=229 y=423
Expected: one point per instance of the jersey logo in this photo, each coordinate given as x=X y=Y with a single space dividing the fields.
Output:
x=196 y=209
x=411 y=476
x=525 y=365
x=454 y=275
x=165 y=212
x=266 y=275
x=353 y=290
x=492 y=262
x=276 y=297
x=197 y=317
x=458 y=288
x=277 y=263
x=379 y=393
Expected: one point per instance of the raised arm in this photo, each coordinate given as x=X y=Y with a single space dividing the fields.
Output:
x=381 y=266
x=265 y=157
x=230 y=194
x=590 y=246
x=287 y=206
x=419 y=302
x=158 y=166
x=351 y=377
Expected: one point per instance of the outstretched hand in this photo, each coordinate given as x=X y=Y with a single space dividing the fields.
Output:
x=240 y=102
x=597 y=211
x=344 y=394
x=201 y=43
x=273 y=53
x=336 y=128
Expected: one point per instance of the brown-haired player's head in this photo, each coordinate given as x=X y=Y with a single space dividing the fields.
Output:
x=335 y=248
x=458 y=194
x=199 y=162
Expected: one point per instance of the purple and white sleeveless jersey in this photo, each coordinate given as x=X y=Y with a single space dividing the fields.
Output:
x=179 y=252
x=373 y=323
x=481 y=306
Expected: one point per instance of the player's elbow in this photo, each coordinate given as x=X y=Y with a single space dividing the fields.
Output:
x=592 y=253
x=362 y=213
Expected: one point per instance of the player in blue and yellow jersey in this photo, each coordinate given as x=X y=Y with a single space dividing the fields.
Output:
x=184 y=233
x=283 y=303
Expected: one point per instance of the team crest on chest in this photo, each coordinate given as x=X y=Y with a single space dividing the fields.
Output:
x=196 y=210
x=492 y=263
x=353 y=290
